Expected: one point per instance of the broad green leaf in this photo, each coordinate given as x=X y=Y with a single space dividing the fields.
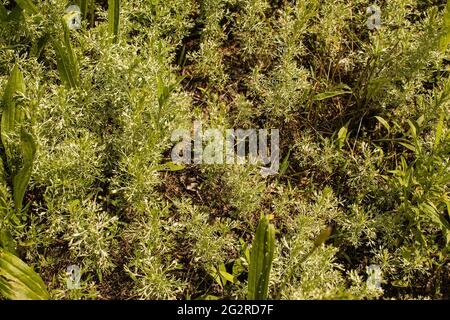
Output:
x=342 y=136
x=3 y=13
x=226 y=276
x=66 y=60
x=28 y=6
x=412 y=128
x=113 y=18
x=261 y=260
x=18 y=281
x=21 y=179
x=13 y=113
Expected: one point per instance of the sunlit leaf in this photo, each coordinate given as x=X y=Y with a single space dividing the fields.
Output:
x=18 y=281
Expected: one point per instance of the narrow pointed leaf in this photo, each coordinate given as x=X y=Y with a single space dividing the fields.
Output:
x=21 y=179
x=113 y=18
x=261 y=260
x=66 y=60
x=439 y=130
x=12 y=115
x=384 y=123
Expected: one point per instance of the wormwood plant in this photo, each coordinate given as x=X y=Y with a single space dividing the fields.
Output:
x=86 y=176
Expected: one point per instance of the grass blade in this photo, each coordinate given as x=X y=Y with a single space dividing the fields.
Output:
x=337 y=91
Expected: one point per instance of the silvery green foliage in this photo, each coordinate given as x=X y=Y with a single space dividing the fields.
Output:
x=364 y=145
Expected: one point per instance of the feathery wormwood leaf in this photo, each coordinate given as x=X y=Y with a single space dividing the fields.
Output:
x=18 y=281
x=12 y=112
x=28 y=6
x=261 y=260
x=66 y=60
x=321 y=238
x=113 y=18
x=445 y=38
x=21 y=179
